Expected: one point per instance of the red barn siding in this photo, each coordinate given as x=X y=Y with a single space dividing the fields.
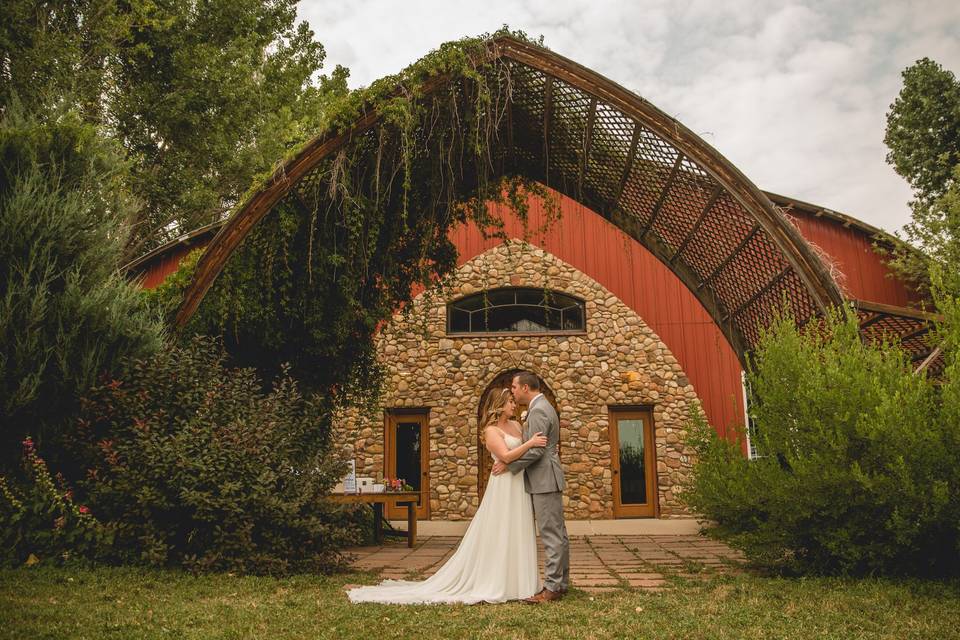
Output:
x=594 y=246
x=589 y=243
x=865 y=276
x=163 y=265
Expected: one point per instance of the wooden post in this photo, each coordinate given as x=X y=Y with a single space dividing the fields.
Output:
x=411 y=523
x=378 y=522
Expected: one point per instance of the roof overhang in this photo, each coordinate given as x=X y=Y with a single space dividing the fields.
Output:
x=910 y=328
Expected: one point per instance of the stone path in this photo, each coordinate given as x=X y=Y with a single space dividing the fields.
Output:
x=598 y=563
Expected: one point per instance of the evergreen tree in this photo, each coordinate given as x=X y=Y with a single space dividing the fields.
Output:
x=66 y=313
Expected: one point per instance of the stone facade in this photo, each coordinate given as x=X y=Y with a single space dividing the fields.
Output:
x=618 y=361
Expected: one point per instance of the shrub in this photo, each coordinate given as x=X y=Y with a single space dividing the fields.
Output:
x=196 y=464
x=39 y=519
x=66 y=313
x=858 y=468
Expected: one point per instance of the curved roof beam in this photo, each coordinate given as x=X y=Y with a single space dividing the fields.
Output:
x=591 y=139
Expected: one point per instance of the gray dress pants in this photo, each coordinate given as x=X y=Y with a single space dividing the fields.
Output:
x=548 y=510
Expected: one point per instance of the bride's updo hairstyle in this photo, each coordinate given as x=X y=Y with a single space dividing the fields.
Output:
x=495 y=404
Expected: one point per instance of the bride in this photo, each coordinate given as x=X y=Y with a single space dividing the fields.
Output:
x=497 y=558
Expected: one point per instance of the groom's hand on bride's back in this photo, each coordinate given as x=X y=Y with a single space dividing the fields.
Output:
x=498 y=468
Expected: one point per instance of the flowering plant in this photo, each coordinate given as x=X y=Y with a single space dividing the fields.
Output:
x=396 y=484
x=204 y=466
x=39 y=517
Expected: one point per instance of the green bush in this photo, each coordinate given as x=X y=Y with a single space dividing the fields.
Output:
x=196 y=464
x=858 y=469
x=39 y=520
x=66 y=313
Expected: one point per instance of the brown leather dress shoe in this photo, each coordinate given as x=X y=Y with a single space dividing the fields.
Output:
x=544 y=596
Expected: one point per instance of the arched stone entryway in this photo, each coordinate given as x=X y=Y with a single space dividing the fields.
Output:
x=617 y=366
x=500 y=381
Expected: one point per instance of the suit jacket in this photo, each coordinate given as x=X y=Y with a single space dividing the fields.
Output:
x=542 y=464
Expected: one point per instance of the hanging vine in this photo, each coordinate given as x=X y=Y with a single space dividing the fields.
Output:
x=349 y=243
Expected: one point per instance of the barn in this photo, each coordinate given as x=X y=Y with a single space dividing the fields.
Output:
x=637 y=304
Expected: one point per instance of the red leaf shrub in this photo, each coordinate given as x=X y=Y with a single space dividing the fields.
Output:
x=196 y=464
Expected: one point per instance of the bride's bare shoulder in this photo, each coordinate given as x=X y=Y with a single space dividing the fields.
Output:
x=516 y=425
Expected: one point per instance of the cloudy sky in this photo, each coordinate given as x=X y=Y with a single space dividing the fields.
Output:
x=793 y=93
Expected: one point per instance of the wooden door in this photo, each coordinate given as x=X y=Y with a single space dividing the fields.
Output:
x=634 y=464
x=406 y=456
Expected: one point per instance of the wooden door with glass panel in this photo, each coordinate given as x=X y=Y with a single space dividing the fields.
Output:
x=406 y=456
x=634 y=463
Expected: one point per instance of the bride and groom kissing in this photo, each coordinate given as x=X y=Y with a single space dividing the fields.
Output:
x=496 y=560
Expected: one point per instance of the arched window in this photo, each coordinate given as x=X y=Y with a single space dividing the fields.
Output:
x=516 y=310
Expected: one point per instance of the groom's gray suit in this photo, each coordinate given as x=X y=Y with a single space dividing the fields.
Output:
x=544 y=482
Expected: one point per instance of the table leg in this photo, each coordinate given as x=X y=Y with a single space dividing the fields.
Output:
x=411 y=523
x=378 y=523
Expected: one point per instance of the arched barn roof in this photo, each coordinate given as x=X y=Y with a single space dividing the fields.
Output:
x=591 y=139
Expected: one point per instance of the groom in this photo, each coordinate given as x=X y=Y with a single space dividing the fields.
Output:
x=544 y=481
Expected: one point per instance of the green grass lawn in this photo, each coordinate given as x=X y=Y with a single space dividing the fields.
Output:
x=136 y=603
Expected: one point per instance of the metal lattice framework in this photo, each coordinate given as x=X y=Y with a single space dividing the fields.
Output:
x=596 y=142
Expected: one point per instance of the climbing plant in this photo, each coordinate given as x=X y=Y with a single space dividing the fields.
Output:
x=347 y=246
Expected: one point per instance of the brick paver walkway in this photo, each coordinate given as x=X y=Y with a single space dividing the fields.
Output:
x=597 y=563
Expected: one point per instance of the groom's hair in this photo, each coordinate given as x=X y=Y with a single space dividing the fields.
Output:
x=529 y=379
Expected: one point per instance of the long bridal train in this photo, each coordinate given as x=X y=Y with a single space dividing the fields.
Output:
x=495 y=562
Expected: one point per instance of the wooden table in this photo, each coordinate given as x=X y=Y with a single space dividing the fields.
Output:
x=378 y=501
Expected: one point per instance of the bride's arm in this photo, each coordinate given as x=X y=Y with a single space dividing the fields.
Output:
x=493 y=438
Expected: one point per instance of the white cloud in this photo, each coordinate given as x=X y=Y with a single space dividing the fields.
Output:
x=794 y=93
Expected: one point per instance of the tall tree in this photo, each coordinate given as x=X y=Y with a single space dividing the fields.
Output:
x=209 y=95
x=52 y=51
x=923 y=135
x=923 y=129
x=204 y=96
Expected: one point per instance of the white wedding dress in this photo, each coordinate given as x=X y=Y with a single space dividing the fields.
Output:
x=495 y=562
